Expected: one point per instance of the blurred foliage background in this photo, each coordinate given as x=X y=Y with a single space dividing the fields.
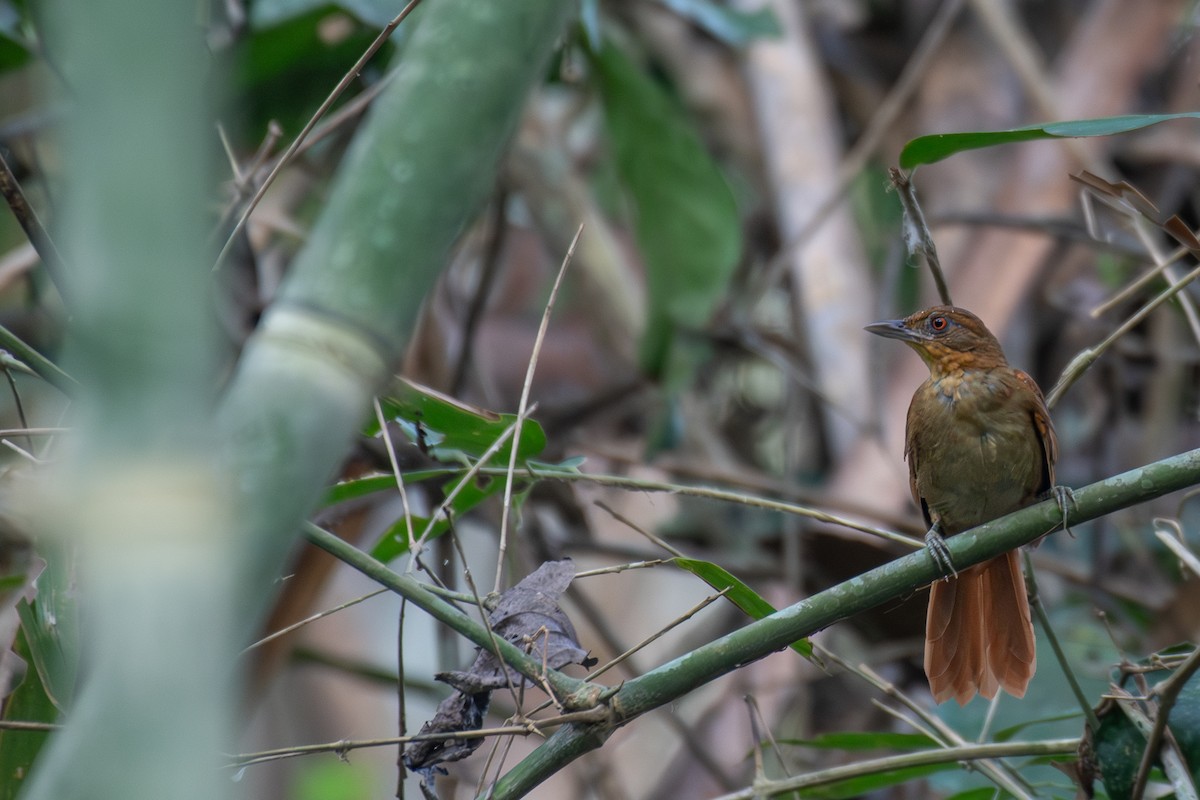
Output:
x=729 y=166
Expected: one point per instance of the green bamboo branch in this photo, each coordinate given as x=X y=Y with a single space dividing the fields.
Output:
x=549 y=472
x=1039 y=611
x=895 y=579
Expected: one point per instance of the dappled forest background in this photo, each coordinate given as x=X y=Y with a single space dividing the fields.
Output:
x=704 y=359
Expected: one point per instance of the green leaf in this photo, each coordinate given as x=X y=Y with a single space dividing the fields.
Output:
x=929 y=149
x=1009 y=732
x=16 y=44
x=394 y=541
x=333 y=780
x=449 y=431
x=51 y=626
x=1119 y=744
x=454 y=431
x=685 y=216
x=28 y=703
x=866 y=740
x=283 y=71
x=739 y=594
x=730 y=25
x=371 y=484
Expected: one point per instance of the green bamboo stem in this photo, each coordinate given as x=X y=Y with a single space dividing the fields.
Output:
x=137 y=498
x=182 y=556
x=423 y=162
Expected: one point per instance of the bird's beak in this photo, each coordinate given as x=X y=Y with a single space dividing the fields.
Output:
x=895 y=329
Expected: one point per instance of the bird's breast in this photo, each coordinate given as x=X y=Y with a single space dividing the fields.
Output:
x=975 y=449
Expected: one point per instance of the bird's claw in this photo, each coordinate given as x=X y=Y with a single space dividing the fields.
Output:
x=936 y=545
x=1065 y=499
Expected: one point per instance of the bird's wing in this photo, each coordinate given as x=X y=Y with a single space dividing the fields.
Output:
x=910 y=455
x=1044 y=428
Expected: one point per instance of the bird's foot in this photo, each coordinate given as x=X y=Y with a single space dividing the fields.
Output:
x=1065 y=499
x=936 y=546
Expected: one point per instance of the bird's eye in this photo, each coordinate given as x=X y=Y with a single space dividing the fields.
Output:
x=938 y=323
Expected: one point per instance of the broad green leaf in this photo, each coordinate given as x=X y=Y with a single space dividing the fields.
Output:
x=1119 y=744
x=28 y=703
x=371 y=484
x=51 y=626
x=935 y=147
x=454 y=431
x=449 y=431
x=1009 y=732
x=730 y=25
x=739 y=594
x=394 y=541
x=333 y=780
x=16 y=45
x=361 y=487
x=685 y=216
x=284 y=71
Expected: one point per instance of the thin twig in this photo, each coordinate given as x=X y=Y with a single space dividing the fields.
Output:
x=1085 y=358
x=313 y=618
x=346 y=745
x=401 y=702
x=12 y=386
x=891 y=763
x=486 y=615
x=882 y=123
x=707 y=492
x=346 y=80
x=756 y=720
x=1137 y=284
x=712 y=493
x=523 y=411
x=1168 y=693
x=33 y=431
x=489 y=266
x=756 y=736
x=468 y=476
x=998 y=772
x=591 y=573
x=22 y=725
x=684 y=617
x=1176 y=544
x=46 y=369
x=916 y=232
x=34 y=230
x=1093 y=722
x=395 y=464
x=639 y=529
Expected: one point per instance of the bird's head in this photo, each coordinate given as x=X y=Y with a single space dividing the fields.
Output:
x=947 y=338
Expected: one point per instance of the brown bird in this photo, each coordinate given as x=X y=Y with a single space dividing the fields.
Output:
x=979 y=444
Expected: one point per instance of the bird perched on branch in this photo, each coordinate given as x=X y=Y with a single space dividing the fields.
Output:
x=979 y=444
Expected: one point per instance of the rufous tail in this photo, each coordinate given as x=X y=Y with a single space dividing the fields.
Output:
x=978 y=635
